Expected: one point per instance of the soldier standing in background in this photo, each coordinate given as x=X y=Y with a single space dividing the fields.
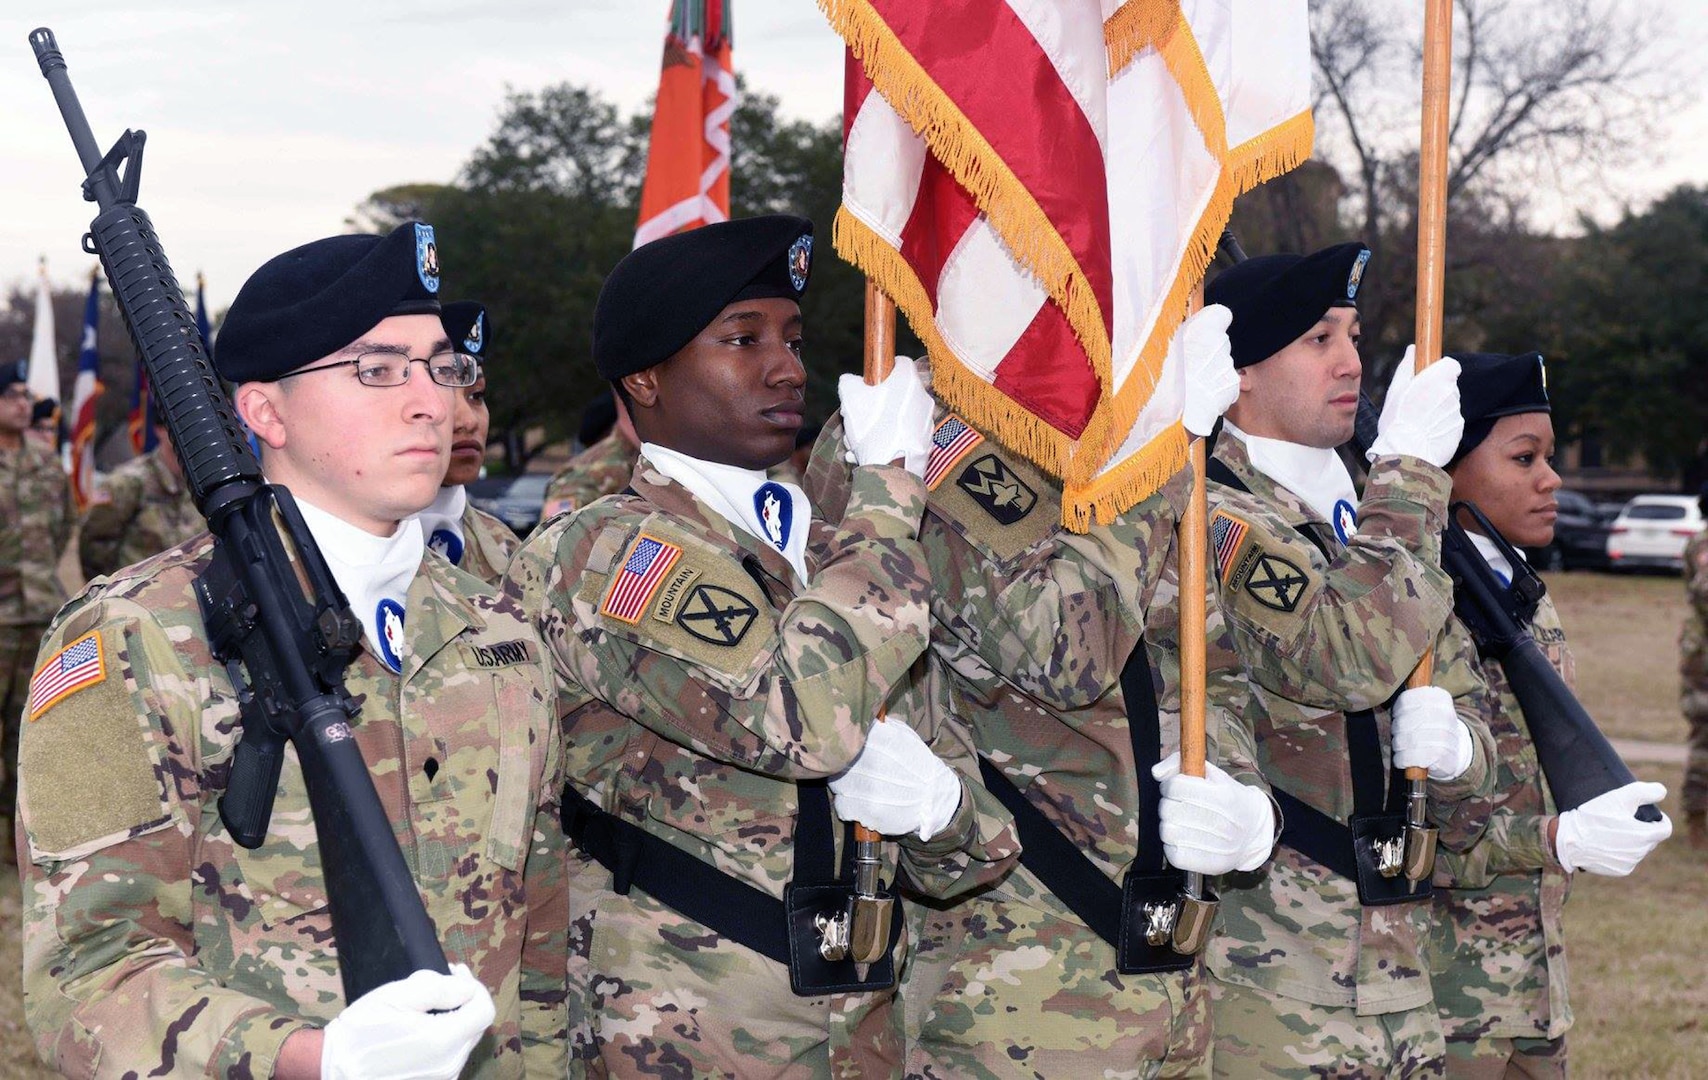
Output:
x=1498 y=951
x=151 y=938
x=1693 y=673
x=143 y=508
x=612 y=447
x=1319 y=966
x=35 y=525
x=466 y=536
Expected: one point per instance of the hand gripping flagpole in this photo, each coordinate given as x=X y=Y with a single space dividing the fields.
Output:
x=1197 y=906
x=869 y=921
x=1419 y=862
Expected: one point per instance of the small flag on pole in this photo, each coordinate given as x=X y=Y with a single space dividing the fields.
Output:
x=85 y=392
x=687 y=161
x=43 y=378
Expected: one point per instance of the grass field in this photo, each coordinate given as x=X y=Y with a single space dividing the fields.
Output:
x=1636 y=945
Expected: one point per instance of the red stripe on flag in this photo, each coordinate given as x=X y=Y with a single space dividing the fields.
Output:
x=942 y=212
x=855 y=87
x=1034 y=375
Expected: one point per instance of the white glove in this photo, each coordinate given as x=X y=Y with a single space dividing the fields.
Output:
x=897 y=785
x=1604 y=836
x=1202 y=349
x=1428 y=734
x=888 y=421
x=1420 y=415
x=419 y=1028
x=1212 y=824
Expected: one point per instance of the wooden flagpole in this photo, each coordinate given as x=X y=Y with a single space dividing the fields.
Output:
x=1431 y=288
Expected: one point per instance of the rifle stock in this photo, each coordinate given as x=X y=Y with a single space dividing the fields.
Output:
x=285 y=649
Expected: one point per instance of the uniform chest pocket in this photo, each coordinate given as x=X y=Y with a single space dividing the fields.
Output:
x=282 y=877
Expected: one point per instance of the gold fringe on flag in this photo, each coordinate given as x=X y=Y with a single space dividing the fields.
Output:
x=1275 y=152
x=1136 y=26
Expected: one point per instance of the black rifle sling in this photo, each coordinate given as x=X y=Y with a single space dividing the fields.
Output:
x=1307 y=830
x=1059 y=862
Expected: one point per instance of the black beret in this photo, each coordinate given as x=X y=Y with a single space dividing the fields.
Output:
x=43 y=410
x=468 y=326
x=598 y=418
x=14 y=373
x=1493 y=385
x=315 y=299
x=662 y=294
x=1276 y=298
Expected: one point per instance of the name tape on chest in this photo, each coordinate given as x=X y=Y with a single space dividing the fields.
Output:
x=78 y=666
x=499 y=654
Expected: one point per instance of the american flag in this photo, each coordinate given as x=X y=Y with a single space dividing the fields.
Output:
x=74 y=667
x=949 y=444
x=642 y=573
x=1226 y=535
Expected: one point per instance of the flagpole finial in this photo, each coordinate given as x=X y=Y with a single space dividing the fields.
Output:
x=201 y=280
x=41 y=264
x=94 y=273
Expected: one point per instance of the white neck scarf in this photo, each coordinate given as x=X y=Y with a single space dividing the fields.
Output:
x=375 y=573
x=442 y=523
x=1493 y=555
x=1313 y=473
x=774 y=513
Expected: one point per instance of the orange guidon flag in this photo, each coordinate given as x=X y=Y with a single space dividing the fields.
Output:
x=687 y=162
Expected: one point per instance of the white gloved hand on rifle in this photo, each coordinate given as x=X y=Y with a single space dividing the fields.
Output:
x=1428 y=734
x=419 y=1028
x=897 y=785
x=1202 y=349
x=1212 y=824
x=1421 y=416
x=1604 y=836
x=889 y=420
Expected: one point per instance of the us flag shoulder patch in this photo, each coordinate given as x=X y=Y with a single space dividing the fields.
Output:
x=1227 y=534
x=78 y=666
x=951 y=441
x=643 y=571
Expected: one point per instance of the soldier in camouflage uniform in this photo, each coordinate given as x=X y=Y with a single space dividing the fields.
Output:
x=143 y=509
x=1331 y=602
x=35 y=525
x=466 y=536
x=151 y=940
x=1693 y=677
x=603 y=468
x=723 y=650
x=1038 y=627
x=1499 y=963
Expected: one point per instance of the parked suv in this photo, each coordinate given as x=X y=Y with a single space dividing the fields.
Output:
x=1652 y=531
x=1580 y=535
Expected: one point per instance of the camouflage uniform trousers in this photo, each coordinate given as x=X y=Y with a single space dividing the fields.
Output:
x=1318 y=1041
x=18 y=645
x=651 y=994
x=978 y=962
x=1497 y=1059
x=1693 y=672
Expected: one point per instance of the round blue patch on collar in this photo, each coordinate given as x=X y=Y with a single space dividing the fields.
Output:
x=388 y=631
x=1345 y=520
x=447 y=543
x=775 y=508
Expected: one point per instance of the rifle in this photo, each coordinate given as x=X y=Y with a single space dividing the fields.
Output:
x=1576 y=758
x=293 y=646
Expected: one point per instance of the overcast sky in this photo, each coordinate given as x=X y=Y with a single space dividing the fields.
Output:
x=269 y=122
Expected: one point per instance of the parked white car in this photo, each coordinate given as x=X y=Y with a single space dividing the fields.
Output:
x=1652 y=531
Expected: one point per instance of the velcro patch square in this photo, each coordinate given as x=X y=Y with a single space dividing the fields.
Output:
x=78 y=666
x=644 y=569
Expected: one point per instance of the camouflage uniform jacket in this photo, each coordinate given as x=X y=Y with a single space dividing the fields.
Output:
x=602 y=469
x=1499 y=954
x=152 y=941
x=1693 y=636
x=35 y=524
x=1036 y=624
x=144 y=509
x=735 y=680
x=488 y=545
x=1320 y=637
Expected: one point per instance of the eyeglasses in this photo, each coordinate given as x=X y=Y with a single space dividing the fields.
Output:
x=452 y=369
x=16 y=393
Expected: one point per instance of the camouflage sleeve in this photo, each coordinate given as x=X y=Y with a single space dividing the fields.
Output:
x=544 y=984
x=788 y=695
x=979 y=845
x=1458 y=671
x=111 y=972
x=1346 y=634
x=1696 y=575
x=1509 y=844
x=101 y=535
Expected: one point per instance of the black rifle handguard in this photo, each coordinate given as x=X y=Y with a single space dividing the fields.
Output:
x=285 y=648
